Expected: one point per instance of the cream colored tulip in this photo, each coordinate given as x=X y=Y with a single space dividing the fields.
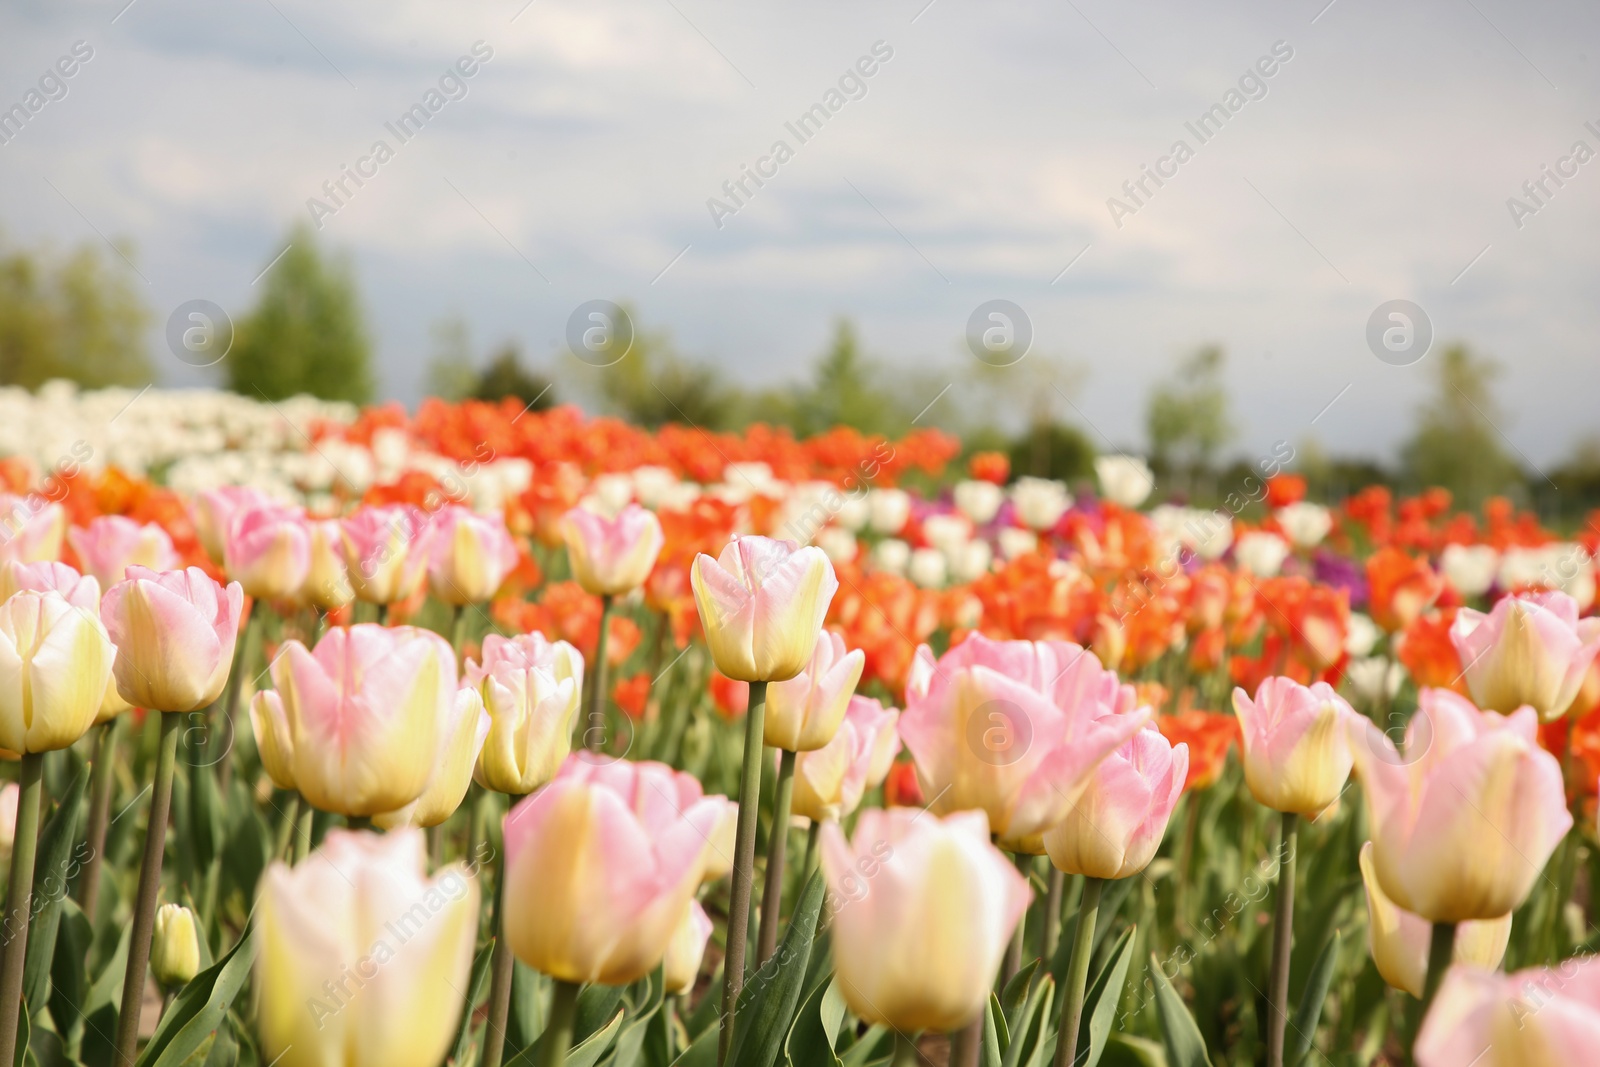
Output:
x=1399 y=940
x=55 y=660
x=761 y=604
x=175 y=946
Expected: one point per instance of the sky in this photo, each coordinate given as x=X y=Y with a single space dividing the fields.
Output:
x=984 y=158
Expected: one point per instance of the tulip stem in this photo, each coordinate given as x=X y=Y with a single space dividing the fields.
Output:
x=494 y=1029
x=241 y=659
x=811 y=849
x=744 y=861
x=1078 y=971
x=1052 y=912
x=1441 y=947
x=100 y=782
x=458 y=632
x=291 y=819
x=304 y=827
x=905 y=1051
x=20 y=902
x=1011 y=963
x=1282 y=939
x=594 y=731
x=144 y=909
x=777 y=852
x=558 y=1031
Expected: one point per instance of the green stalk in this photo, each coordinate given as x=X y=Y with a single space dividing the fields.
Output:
x=1282 y=940
x=1012 y=962
x=594 y=730
x=1078 y=971
x=101 y=781
x=1441 y=947
x=458 y=631
x=144 y=909
x=744 y=862
x=811 y=849
x=1052 y=912
x=558 y=1031
x=304 y=827
x=284 y=847
x=905 y=1051
x=252 y=630
x=777 y=852
x=20 y=902
x=494 y=1031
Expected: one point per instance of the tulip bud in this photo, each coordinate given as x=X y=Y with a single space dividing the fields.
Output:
x=1531 y=649
x=1039 y=502
x=1464 y=819
x=924 y=908
x=1124 y=480
x=175 y=633
x=214 y=510
x=1539 y=1017
x=632 y=860
x=530 y=688
x=385 y=552
x=355 y=724
x=361 y=960
x=1304 y=523
x=1399 y=940
x=612 y=556
x=978 y=501
x=55 y=660
x=804 y=712
x=327 y=585
x=81 y=591
x=31 y=528
x=267 y=550
x=829 y=781
x=761 y=604
x=470 y=556
x=681 y=966
x=1119 y=821
x=1294 y=742
x=174 y=946
x=110 y=544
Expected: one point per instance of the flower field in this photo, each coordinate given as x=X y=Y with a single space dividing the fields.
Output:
x=483 y=735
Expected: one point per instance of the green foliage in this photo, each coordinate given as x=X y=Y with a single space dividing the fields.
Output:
x=505 y=376
x=847 y=388
x=78 y=317
x=1188 y=419
x=1053 y=450
x=653 y=385
x=1457 y=442
x=306 y=334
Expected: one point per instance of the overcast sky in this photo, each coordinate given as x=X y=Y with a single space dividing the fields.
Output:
x=1375 y=163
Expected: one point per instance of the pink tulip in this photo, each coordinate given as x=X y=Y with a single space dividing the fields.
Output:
x=327 y=586
x=31 y=528
x=174 y=633
x=1295 y=745
x=1540 y=1017
x=1531 y=649
x=1118 y=823
x=923 y=910
x=829 y=781
x=214 y=510
x=530 y=688
x=268 y=551
x=1463 y=822
x=111 y=544
x=632 y=852
x=761 y=605
x=385 y=552
x=471 y=555
x=1015 y=728
x=804 y=712
x=359 y=723
x=886 y=744
x=612 y=556
x=79 y=590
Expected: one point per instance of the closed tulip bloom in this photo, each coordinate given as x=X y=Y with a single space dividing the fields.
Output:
x=1539 y=1017
x=174 y=946
x=214 y=510
x=924 y=910
x=267 y=550
x=632 y=859
x=464 y=730
x=804 y=712
x=978 y=501
x=885 y=726
x=1531 y=649
x=761 y=604
x=31 y=528
x=174 y=633
x=361 y=959
x=79 y=590
x=1295 y=744
x=612 y=556
x=110 y=544
x=1463 y=821
x=1118 y=823
x=385 y=552
x=1015 y=728
x=54 y=662
x=357 y=723
x=327 y=585
x=1399 y=940
x=470 y=555
x=829 y=781
x=1304 y=523
x=1470 y=569
x=530 y=688
x=681 y=966
x=1124 y=480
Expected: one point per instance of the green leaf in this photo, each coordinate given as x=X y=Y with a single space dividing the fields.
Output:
x=1015 y=996
x=52 y=875
x=525 y=1019
x=1029 y=1026
x=1125 y=1050
x=20 y=1059
x=816 y=1028
x=596 y=1005
x=69 y=974
x=200 y=1007
x=475 y=989
x=586 y=1053
x=993 y=1022
x=205 y=810
x=769 y=1000
x=702 y=1052
x=1185 y=1046
x=1100 y=1003
x=878 y=1038
x=1309 y=1011
x=1002 y=1035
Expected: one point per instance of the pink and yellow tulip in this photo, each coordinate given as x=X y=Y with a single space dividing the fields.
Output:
x=1295 y=744
x=612 y=556
x=1531 y=649
x=761 y=605
x=175 y=633
x=110 y=544
x=804 y=712
x=1117 y=824
x=470 y=555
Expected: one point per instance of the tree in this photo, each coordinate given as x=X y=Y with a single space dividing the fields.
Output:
x=306 y=334
x=1187 y=419
x=451 y=375
x=77 y=317
x=847 y=389
x=1457 y=442
x=505 y=376
x=652 y=385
